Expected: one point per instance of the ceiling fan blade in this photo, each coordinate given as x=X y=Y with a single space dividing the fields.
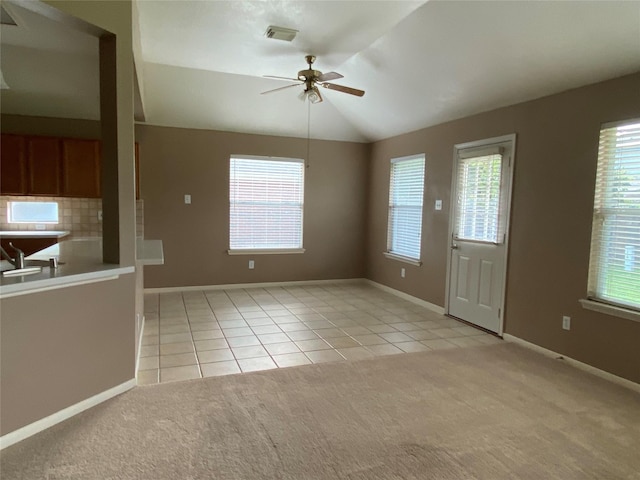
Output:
x=342 y=88
x=325 y=77
x=280 y=88
x=282 y=78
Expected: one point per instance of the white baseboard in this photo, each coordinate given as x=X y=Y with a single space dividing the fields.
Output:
x=44 y=423
x=431 y=306
x=576 y=363
x=140 y=344
x=232 y=286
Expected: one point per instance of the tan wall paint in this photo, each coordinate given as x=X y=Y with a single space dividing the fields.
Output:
x=175 y=162
x=63 y=346
x=116 y=17
x=66 y=345
x=557 y=139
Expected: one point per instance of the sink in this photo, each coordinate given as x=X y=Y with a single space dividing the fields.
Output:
x=21 y=271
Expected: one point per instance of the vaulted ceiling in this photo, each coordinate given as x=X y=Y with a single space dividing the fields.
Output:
x=201 y=64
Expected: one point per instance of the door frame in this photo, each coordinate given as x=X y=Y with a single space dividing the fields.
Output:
x=452 y=210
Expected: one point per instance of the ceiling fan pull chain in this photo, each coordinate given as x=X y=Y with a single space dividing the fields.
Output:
x=308 y=133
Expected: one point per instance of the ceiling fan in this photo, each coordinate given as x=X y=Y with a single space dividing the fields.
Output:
x=311 y=78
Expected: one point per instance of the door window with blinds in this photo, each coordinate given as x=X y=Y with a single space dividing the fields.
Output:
x=266 y=196
x=614 y=267
x=406 y=189
x=479 y=199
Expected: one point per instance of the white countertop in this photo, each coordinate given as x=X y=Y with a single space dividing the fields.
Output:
x=149 y=252
x=79 y=261
x=34 y=233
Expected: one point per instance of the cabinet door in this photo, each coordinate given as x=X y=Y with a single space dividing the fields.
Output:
x=43 y=165
x=81 y=168
x=13 y=166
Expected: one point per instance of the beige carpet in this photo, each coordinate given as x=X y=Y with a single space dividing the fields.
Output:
x=493 y=412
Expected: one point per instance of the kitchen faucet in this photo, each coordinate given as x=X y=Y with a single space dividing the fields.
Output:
x=17 y=262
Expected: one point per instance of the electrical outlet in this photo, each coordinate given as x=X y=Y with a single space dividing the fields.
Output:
x=187 y=199
x=99 y=215
x=402 y=272
x=438 y=204
x=566 y=323
x=251 y=265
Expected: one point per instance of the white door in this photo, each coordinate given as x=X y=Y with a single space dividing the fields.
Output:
x=479 y=231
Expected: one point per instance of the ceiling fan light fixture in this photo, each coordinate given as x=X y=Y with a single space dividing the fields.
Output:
x=314 y=95
x=280 y=33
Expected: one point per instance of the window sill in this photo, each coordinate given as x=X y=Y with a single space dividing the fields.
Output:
x=400 y=258
x=265 y=251
x=610 y=310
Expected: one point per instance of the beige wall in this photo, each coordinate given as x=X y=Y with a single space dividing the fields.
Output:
x=116 y=17
x=63 y=346
x=555 y=164
x=175 y=162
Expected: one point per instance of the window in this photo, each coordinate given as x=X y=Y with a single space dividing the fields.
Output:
x=614 y=267
x=478 y=204
x=266 y=204
x=32 y=212
x=406 y=189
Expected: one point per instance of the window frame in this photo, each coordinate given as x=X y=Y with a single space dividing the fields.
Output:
x=494 y=216
x=389 y=253
x=595 y=298
x=11 y=213
x=266 y=251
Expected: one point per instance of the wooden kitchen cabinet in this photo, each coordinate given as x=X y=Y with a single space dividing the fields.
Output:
x=13 y=165
x=81 y=168
x=43 y=166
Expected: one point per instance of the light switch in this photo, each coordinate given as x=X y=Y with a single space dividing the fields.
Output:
x=438 y=204
x=187 y=199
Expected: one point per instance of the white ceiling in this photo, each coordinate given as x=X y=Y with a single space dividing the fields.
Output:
x=201 y=63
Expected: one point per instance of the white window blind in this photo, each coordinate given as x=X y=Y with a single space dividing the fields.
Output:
x=478 y=191
x=266 y=203
x=614 y=267
x=406 y=190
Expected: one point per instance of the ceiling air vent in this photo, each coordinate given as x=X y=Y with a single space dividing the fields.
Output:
x=281 y=33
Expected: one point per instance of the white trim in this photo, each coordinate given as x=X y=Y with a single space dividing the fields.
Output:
x=416 y=156
x=64 y=414
x=140 y=345
x=576 y=363
x=476 y=144
x=423 y=303
x=72 y=280
x=240 y=156
x=609 y=309
x=400 y=258
x=264 y=251
x=232 y=286
x=481 y=151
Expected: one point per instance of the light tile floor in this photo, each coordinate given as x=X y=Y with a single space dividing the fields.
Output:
x=205 y=333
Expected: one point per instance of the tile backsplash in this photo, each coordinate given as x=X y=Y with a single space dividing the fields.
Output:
x=78 y=215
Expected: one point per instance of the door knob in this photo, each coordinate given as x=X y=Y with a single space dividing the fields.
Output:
x=454 y=246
